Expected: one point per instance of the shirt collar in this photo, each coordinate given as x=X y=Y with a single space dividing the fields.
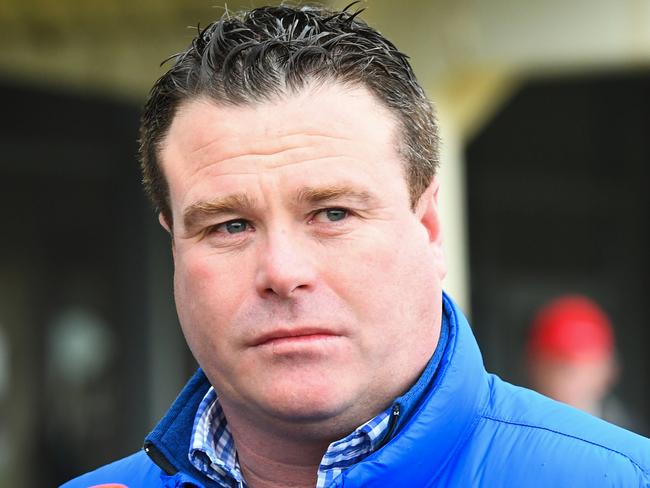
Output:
x=212 y=449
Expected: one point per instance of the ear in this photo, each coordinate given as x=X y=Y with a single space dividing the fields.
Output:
x=167 y=226
x=163 y=223
x=427 y=213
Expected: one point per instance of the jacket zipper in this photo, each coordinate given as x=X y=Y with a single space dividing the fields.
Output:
x=159 y=458
x=394 y=417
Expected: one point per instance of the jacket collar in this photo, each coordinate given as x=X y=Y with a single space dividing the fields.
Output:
x=440 y=424
x=408 y=403
x=168 y=444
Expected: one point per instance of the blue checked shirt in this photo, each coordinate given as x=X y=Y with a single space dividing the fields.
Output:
x=212 y=450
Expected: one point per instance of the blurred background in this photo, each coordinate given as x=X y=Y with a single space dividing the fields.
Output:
x=545 y=115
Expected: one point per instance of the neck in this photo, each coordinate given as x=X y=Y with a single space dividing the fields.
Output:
x=269 y=460
x=274 y=452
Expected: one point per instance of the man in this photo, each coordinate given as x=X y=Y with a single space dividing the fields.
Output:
x=570 y=357
x=291 y=155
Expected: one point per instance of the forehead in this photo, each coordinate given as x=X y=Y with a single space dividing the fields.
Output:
x=316 y=128
x=334 y=109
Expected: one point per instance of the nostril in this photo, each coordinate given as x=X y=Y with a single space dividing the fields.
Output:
x=284 y=290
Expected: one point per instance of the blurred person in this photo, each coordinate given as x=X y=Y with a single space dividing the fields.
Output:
x=292 y=156
x=571 y=358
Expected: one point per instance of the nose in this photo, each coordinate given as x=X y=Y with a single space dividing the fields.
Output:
x=285 y=266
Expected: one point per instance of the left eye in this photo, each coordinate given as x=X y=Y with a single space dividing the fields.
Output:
x=233 y=226
x=330 y=215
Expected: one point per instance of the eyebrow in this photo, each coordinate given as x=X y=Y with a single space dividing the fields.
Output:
x=200 y=211
x=239 y=203
x=318 y=195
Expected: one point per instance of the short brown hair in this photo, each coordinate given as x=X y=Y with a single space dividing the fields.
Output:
x=255 y=55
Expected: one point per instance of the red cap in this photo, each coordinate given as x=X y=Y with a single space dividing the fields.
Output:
x=571 y=328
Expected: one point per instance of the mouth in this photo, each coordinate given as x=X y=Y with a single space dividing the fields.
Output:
x=293 y=336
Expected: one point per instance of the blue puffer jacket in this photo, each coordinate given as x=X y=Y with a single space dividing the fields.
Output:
x=471 y=430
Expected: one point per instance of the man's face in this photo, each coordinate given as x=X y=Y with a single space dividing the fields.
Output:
x=306 y=286
x=581 y=384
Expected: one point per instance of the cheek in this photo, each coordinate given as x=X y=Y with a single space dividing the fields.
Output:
x=206 y=294
x=387 y=276
x=207 y=279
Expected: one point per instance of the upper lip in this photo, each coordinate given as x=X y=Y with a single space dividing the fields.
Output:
x=283 y=333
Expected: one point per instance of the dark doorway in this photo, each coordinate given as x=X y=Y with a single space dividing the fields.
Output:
x=72 y=270
x=558 y=203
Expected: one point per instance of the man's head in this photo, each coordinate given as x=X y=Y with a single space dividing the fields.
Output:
x=570 y=352
x=307 y=260
x=270 y=52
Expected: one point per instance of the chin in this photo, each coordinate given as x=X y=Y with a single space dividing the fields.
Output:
x=307 y=405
